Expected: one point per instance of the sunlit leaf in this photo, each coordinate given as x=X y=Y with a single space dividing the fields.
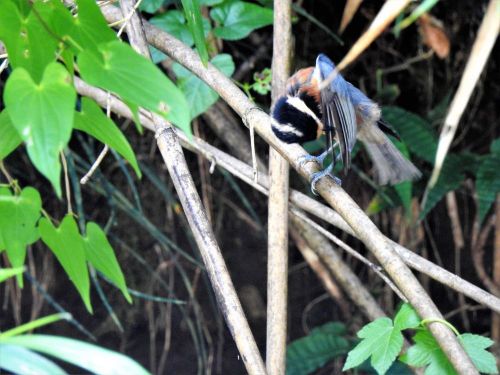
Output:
x=101 y=255
x=6 y=273
x=90 y=357
x=9 y=137
x=136 y=80
x=19 y=360
x=18 y=218
x=193 y=16
x=42 y=115
x=67 y=245
x=28 y=43
x=476 y=346
x=94 y=122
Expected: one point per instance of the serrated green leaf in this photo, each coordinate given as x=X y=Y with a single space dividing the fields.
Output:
x=90 y=357
x=381 y=341
x=67 y=245
x=174 y=22
x=413 y=130
x=93 y=121
x=43 y=116
x=192 y=13
x=28 y=42
x=19 y=360
x=136 y=80
x=311 y=352
x=18 y=218
x=406 y=318
x=426 y=352
x=476 y=346
x=199 y=96
x=488 y=180
x=100 y=254
x=9 y=138
x=238 y=19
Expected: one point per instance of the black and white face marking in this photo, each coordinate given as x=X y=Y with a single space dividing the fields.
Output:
x=293 y=120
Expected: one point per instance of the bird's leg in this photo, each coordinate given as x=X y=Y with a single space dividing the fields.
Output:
x=318 y=159
x=315 y=177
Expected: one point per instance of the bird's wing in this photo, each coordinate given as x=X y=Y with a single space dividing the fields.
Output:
x=339 y=118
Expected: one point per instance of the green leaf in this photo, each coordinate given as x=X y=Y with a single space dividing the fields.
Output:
x=211 y=2
x=238 y=19
x=406 y=318
x=413 y=130
x=43 y=116
x=174 y=22
x=19 y=215
x=381 y=341
x=90 y=357
x=452 y=175
x=67 y=245
x=136 y=80
x=5 y=273
x=101 y=255
x=476 y=346
x=151 y=6
x=28 y=43
x=193 y=15
x=199 y=96
x=404 y=189
x=322 y=344
x=93 y=121
x=426 y=352
x=19 y=360
x=9 y=138
x=488 y=180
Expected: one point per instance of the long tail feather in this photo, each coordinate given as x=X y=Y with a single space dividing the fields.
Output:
x=390 y=165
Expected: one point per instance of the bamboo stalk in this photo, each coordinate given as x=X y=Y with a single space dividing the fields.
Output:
x=277 y=233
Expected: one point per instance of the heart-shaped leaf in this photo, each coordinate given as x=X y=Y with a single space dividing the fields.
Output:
x=101 y=255
x=18 y=218
x=92 y=120
x=137 y=80
x=9 y=138
x=42 y=115
x=67 y=245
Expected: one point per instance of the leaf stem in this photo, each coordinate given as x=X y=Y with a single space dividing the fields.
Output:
x=427 y=321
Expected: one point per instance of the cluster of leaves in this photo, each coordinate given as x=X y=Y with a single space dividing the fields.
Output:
x=21 y=225
x=381 y=343
x=229 y=20
x=20 y=350
x=261 y=83
x=419 y=138
x=40 y=100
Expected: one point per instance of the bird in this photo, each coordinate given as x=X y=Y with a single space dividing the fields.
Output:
x=318 y=100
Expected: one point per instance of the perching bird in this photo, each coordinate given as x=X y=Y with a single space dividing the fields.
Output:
x=342 y=112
